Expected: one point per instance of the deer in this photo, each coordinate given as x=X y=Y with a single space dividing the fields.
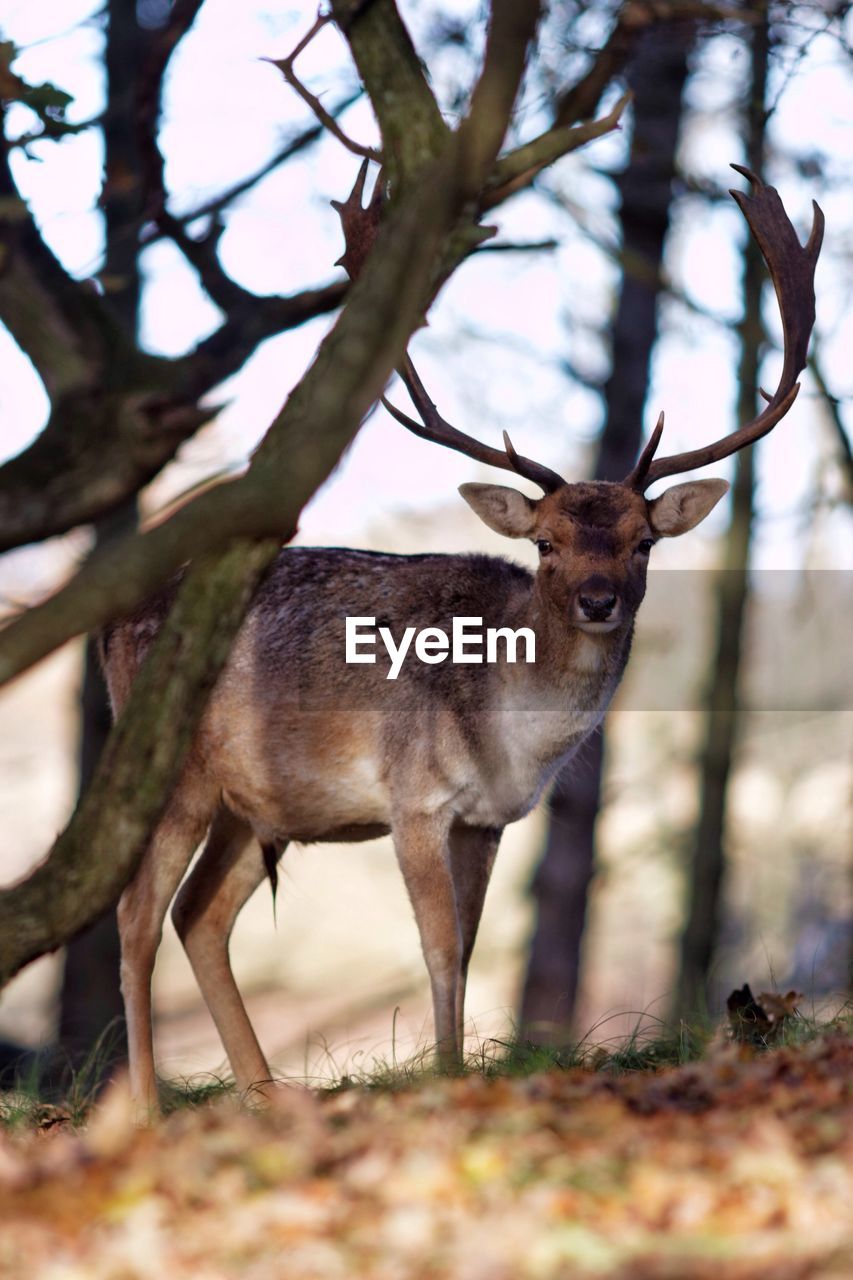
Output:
x=297 y=745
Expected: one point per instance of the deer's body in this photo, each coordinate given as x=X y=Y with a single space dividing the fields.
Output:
x=297 y=744
x=305 y=747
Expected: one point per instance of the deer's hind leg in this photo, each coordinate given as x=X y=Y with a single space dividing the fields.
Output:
x=230 y=868
x=141 y=911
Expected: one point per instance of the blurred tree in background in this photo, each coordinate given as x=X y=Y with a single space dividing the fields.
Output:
x=656 y=73
x=707 y=866
x=654 y=180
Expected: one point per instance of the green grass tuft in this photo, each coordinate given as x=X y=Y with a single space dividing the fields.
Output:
x=651 y=1046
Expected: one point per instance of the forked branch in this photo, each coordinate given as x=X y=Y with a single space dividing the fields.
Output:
x=324 y=117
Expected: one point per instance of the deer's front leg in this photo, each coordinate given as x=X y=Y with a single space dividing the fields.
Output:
x=472 y=856
x=422 y=852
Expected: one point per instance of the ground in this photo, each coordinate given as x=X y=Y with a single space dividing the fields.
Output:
x=737 y=1167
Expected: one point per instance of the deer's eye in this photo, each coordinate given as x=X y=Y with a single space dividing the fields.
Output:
x=643 y=548
x=544 y=546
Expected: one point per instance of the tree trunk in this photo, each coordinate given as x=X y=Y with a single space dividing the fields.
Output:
x=91 y=1011
x=707 y=869
x=656 y=74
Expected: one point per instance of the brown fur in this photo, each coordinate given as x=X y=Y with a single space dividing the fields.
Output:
x=297 y=745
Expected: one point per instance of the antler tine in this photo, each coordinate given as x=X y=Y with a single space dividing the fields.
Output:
x=637 y=478
x=359 y=224
x=792 y=268
x=435 y=428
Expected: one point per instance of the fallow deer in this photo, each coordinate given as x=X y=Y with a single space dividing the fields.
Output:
x=296 y=745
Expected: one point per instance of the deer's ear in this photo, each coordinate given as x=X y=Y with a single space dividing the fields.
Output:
x=684 y=506
x=505 y=510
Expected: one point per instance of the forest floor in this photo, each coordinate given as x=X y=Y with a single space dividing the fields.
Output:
x=736 y=1167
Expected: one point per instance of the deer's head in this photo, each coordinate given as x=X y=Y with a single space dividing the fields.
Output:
x=595 y=538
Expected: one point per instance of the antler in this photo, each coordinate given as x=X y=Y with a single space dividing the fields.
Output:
x=360 y=225
x=792 y=269
x=434 y=427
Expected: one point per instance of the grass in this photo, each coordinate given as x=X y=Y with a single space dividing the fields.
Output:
x=652 y=1045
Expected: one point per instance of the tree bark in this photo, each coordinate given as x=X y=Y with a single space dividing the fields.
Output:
x=694 y=997
x=90 y=1001
x=656 y=73
x=91 y=1011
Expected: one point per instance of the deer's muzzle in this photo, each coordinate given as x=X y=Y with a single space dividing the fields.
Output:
x=597 y=605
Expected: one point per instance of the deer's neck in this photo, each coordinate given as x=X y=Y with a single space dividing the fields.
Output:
x=544 y=711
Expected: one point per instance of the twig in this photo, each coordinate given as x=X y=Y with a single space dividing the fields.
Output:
x=326 y=119
x=518 y=169
x=201 y=254
x=833 y=407
x=286 y=152
x=518 y=246
x=627 y=262
x=148 y=95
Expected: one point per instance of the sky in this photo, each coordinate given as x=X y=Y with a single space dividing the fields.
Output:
x=492 y=353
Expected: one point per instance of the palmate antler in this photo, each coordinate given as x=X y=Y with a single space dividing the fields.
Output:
x=792 y=269
x=360 y=224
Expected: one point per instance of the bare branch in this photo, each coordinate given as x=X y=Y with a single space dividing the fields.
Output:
x=97 y=450
x=61 y=324
x=148 y=95
x=319 y=419
x=519 y=246
x=511 y=30
x=518 y=169
x=833 y=407
x=299 y=142
x=326 y=119
x=249 y=324
x=410 y=122
x=201 y=253
x=581 y=100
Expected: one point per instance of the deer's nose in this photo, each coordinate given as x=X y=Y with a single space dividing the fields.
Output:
x=597 y=599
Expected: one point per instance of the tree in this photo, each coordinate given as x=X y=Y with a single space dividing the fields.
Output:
x=656 y=73
x=118 y=413
x=722 y=712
